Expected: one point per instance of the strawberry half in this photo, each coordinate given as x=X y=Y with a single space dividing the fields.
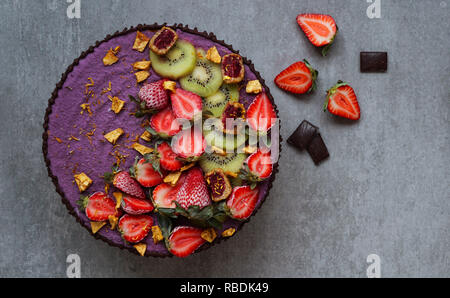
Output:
x=298 y=78
x=123 y=181
x=242 y=201
x=185 y=240
x=319 y=28
x=164 y=195
x=194 y=191
x=98 y=206
x=261 y=114
x=189 y=144
x=154 y=95
x=165 y=124
x=260 y=164
x=136 y=206
x=342 y=101
x=134 y=228
x=185 y=104
x=167 y=158
x=146 y=175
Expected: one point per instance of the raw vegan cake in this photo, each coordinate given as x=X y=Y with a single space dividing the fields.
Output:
x=123 y=149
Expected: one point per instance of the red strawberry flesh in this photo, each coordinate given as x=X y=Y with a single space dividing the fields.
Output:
x=124 y=182
x=297 y=78
x=146 y=174
x=320 y=29
x=260 y=164
x=99 y=207
x=185 y=104
x=165 y=124
x=189 y=143
x=136 y=206
x=242 y=201
x=261 y=114
x=134 y=228
x=184 y=240
x=168 y=158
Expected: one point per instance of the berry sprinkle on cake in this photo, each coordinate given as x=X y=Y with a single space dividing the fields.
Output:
x=162 y=140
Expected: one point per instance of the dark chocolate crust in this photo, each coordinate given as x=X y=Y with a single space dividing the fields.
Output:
x=59 y=85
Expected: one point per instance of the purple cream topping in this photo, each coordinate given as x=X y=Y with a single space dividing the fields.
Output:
x=94 y=157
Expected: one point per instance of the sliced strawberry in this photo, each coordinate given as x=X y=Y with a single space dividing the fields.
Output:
x=189 y=143
x=342 y=101
x=98 y=206
x=320 y=29
x=242 y=201
x=134 y=228
x=167 y=158
x=165 y=123
x=123 y=181
x=260 y=164
x=194 y=191
x=164 y=195
x=135 y=206
x=261 y=114
x=185 y=104
x=185 y=240
x=298 y=78
x=146 y=174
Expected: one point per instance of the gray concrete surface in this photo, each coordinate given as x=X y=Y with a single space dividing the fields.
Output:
x=385 y=189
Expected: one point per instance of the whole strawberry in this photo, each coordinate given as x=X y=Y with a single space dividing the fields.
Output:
x=154 y=95
x=194 y=191
x=123 y=181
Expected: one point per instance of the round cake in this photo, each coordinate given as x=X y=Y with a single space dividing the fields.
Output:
x=127 y=144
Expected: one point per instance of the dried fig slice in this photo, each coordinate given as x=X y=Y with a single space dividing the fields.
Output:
x=232 y=68
x=233 y=111
x=218 y=184
x=163 y=40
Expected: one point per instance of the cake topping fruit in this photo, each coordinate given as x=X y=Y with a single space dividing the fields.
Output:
x=140 y=42
x=232 y=162
x=261 y=114
x=186 y=104
x=154 y=95
x=209 y=235
x=178 y=62
x=167 y=158
x=205 y=79
x=141 y=248
x=141 y=75
x=157 y=234
x=230 y=117
x=114 y=135
x=123 y=181
x=96 y=226
x=228 y=232
x=253 y=86
x=142 y=149
x=184 y=240
x=117 y=104
x=165 y=124
x=164 y=195
x=218 y=184
x=215 y=104
x=141 y=65
x=213 y=55
x=193 y=191
x=258 y=167
x=83 y=181
x=134 y=228
x=232 y=68
x=342 y=101
x=163 y=40
x=110 y=57
x=298 y=78
x=135 y=206
x=145 y=174
x=189 y=144
x=98 y=206
x=242 y=202
x=319 y=28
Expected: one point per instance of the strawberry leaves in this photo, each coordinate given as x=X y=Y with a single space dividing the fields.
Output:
x=142 y=109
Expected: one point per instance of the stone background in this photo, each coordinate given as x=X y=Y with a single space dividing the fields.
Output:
x=385 y=189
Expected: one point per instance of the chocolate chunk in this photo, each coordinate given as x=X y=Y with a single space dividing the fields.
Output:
x=317 y=149
x=373 y=61
x=303 y=135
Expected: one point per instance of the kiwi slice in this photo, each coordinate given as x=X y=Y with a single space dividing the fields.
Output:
x=229 y=163
x=216 y=103
x=228 y=143
x=179 y=61
x=205 y=79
